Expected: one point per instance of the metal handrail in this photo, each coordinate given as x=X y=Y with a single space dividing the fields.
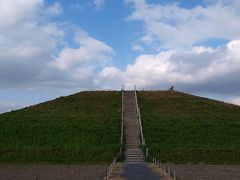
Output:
x=169 y=172
x=122 y=118
x=110 y=167
x=139 y=117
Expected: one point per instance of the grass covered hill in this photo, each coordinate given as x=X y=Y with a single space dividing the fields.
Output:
x=81 y=128
x=183 y=128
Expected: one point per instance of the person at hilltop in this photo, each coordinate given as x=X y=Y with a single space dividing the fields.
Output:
x=171 y=89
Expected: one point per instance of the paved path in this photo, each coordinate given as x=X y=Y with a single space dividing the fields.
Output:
x=139 y=171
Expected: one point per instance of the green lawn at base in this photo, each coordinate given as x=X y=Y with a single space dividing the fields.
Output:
x=182 y=128
x=82 y=128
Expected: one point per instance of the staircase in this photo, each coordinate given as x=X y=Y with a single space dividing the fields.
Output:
x=132 y=152
x=134 y=166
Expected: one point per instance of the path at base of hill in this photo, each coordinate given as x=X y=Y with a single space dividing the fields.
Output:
x=140 y=171
x=52 y=172
x=206 y=172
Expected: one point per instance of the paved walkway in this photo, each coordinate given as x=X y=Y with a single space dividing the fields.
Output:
x=139 y=171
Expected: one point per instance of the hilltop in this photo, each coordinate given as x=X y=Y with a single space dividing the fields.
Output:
x=183 y=128
x=81 y=128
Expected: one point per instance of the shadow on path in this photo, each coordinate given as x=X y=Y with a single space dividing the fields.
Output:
x=139 y=171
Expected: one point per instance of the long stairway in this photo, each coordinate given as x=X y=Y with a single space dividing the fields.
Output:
x=134 y=166
x=132 y=152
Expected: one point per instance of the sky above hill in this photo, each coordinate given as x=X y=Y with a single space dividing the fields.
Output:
x=51 y=48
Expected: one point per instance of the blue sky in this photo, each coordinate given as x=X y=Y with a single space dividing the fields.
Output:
x=51 y=48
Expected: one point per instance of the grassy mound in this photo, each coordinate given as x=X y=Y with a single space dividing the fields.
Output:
x=183 y=128
x=81 y=128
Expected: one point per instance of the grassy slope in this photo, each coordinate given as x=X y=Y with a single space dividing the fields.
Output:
x=182 y=128
x=82 y=128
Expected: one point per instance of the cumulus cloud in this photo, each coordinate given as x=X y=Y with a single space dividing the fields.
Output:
x=198 y=69
x=82 y=63
x=170 y=25
x=90 y=51
x=17 y=11
x=54 y=9
x=34 y=52
x=27 y=40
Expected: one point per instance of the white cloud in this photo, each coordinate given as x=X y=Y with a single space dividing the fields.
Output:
x=54 y=9
x=9 y=106
x=83 y=62
x=199 y=69
x=77 y=6
x=29 y=41
x=99 y=4
x=137 y=48
x=171 y=26
x=90 y=51
x=235 y=101
x=15 y=12
x=109 y=76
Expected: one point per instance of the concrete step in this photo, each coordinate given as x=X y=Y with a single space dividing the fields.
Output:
x=134 y=160
x=135 y=156
x=132 y=142
x=133 y=153
x=132 y=133
x=133 y=138
x=132 y=145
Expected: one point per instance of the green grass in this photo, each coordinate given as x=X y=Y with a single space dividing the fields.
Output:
x=182 y=128
x=81 y=128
